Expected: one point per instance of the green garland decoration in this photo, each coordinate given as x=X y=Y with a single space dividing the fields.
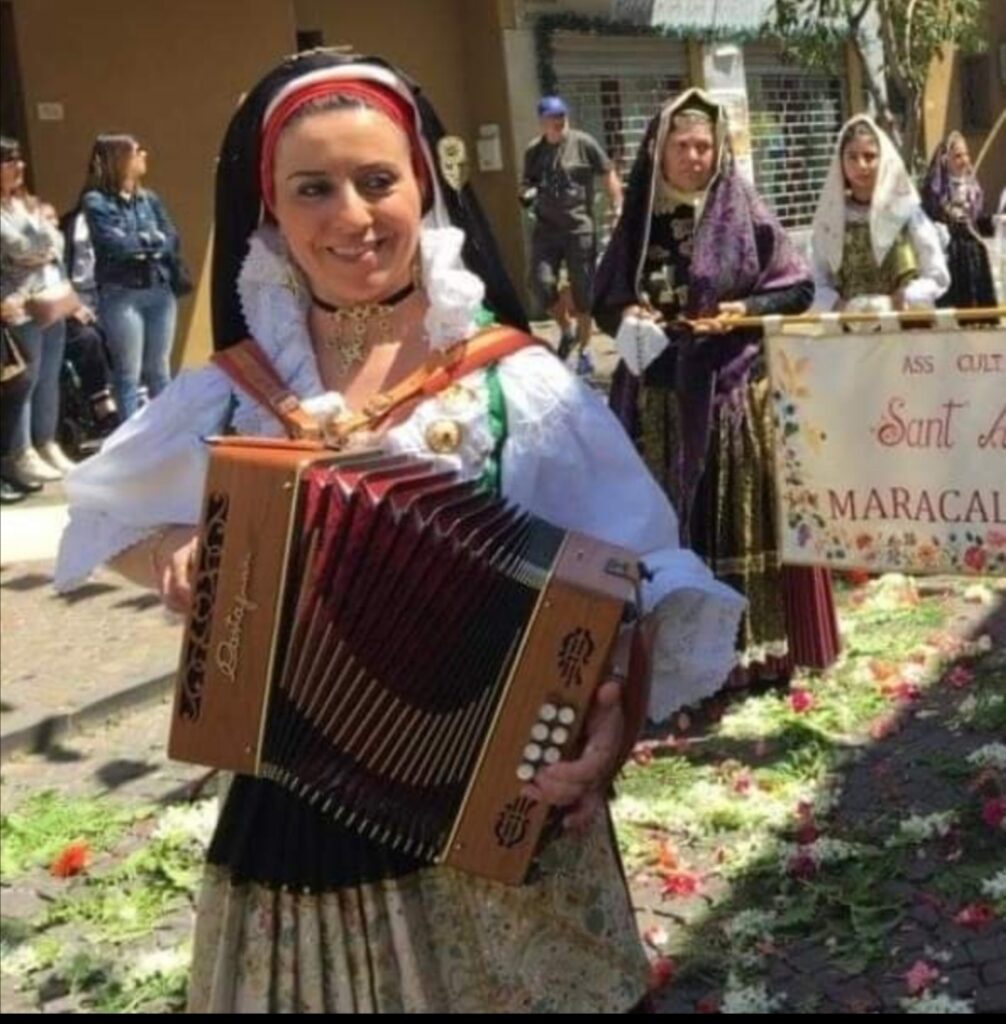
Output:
x=547 y=25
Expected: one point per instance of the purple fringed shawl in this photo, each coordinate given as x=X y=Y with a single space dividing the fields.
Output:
x=937 y=188
x=740 y=250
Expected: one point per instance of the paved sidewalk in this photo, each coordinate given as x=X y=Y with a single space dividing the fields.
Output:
x=76 y=659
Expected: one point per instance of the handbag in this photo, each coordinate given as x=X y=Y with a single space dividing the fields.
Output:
x=181 y=279
x=51 y=304
x=13 y=359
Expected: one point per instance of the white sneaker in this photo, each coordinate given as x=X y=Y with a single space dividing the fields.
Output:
x=28 y=468
x=56 y=457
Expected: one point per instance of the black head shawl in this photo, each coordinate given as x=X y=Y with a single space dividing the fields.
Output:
x=239 y=205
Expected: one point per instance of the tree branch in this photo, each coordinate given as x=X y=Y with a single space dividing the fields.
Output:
x=855 y=20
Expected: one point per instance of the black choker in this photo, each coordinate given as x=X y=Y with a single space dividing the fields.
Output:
x=402 y=293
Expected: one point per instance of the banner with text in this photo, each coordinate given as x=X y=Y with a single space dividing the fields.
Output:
x=891 y=452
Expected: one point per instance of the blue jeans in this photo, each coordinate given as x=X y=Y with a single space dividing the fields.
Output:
x=140 y=327
x=43 y=355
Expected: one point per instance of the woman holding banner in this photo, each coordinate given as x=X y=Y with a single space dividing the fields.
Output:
x=695 y=241
x=873 y=246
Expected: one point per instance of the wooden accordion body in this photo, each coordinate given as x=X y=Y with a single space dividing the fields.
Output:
x=396 y=646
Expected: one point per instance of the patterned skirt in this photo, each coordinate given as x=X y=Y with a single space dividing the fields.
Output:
x=791 y=620
x=430 y=941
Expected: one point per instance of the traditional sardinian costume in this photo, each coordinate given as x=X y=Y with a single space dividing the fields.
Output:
x=875 y=250
x=956 y=202
x=300 y=914
x=700 y=413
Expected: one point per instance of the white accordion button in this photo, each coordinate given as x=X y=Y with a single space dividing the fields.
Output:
x=532 y=753
x=539 y=733
x=567 y=715
x=552 y=754
x=526 y=772
x=559 y=735
x=548 y=713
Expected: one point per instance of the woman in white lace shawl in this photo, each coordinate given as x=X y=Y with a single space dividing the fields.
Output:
x=873 y=246
x=328 y=195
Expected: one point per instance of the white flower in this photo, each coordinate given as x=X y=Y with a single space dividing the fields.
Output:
x=749 y=926
x=24 y=960
x=749 y=999
x=822 y=851
x=161 y=962
x=631 y=808
x=992 y=755
x=186 y=822
x=919 y=829
x=968 y=707
x=941 y=1003
x=995 y=887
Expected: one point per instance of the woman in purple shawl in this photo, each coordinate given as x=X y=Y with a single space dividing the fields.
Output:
x=696 y=242
x=952 y=196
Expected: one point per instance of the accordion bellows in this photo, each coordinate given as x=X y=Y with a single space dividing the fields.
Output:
x=398 y=647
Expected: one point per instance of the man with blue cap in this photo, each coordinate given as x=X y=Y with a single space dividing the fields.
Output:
x=558 y=186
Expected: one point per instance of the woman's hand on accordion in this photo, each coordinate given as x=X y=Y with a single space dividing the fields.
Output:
x=163 y=562
x=173 y=562
x=581 y=785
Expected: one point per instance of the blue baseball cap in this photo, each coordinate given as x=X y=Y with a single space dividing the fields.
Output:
x=551 y=106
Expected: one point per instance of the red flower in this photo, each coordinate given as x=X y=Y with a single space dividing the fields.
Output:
x=975 y=559
x=802 y=866
x=72 y=860
x=742 y=783
x=680 y=883
x=801 y=701
x=707 y=1005
x=975 y=915
x=807 y=833
x=994 y=812
x=959 y=677
x=919 y=977
x=661 y=973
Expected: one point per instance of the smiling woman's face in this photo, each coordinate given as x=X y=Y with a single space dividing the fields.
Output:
x=348 y=203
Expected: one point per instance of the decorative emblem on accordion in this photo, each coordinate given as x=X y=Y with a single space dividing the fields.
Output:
x=420 y=647
x=192 y=676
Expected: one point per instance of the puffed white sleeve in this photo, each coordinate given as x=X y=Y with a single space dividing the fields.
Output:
x=825 y=287
x=934 y=274
x=149 y=473
x=567 y=459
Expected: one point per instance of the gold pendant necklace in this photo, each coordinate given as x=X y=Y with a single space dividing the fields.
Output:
x=354 y=330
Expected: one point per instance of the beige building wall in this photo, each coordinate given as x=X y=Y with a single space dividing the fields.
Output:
x=944 y=106
x=169 y=73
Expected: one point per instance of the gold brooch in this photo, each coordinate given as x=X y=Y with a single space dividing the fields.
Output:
x=444 y=436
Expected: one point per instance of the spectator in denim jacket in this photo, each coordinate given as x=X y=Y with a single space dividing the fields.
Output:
x=134 y=245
